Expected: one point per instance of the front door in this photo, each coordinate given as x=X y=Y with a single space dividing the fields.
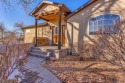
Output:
x=55 y=35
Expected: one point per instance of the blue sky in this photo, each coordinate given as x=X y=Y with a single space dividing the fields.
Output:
x=15 y=13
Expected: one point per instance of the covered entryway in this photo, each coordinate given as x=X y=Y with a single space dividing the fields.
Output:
x=54 y=14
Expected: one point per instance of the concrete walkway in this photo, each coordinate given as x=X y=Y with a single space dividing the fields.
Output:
x=35 y=73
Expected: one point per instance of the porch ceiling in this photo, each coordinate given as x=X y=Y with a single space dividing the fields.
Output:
x=49 y=17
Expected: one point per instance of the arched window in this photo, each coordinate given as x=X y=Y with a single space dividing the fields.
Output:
x=100 y=23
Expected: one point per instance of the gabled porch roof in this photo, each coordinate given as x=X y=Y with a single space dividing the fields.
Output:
x=47 y=10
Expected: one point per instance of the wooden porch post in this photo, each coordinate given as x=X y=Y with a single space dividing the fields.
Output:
x=59 y=26
x=36 y=33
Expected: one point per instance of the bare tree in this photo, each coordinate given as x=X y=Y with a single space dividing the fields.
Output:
x=19 y=25
x=18 y=30
x=2 y=31
x=24 y=3
x=5 y=35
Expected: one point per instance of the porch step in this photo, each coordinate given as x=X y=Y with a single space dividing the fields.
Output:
x=37 y=48
x=37 y=52
x=37 y=55
x=47 y=52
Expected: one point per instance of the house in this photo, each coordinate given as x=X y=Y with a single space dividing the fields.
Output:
x=68 y=27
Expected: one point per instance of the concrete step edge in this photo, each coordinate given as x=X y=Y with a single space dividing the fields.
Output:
x=37 y=55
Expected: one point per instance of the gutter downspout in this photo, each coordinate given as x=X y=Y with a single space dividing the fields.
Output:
x=36 y=43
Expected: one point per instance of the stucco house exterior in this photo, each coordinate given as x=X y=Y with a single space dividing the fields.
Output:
x=73 y=27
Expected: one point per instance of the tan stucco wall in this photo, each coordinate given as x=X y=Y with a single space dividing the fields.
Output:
x=79 y=21
x=29 y=33
x=55 y=22
x=29 y=36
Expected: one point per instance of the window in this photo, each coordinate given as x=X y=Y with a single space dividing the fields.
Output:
x=103 y=23
x=27 y=31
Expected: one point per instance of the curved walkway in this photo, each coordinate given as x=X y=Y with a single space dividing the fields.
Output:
x=35 y=73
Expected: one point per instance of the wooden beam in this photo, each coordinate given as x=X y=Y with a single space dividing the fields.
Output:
x=39 y=16
x=52 y=17
x=43 y=18
x=42 y=31
x=49 y=16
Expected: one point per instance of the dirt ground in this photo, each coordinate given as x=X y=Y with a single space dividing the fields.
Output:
x=71 y=70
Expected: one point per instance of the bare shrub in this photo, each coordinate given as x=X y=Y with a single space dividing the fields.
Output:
x=110 y=44
x=85 y=50
x=12 y=56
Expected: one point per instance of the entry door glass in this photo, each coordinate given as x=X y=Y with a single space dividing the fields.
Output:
x=55 y=35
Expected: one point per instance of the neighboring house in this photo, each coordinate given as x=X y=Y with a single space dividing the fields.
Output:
x=43 y=30
x=73 y=27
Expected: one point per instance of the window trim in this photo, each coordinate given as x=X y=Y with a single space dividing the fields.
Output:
x=97 y=16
